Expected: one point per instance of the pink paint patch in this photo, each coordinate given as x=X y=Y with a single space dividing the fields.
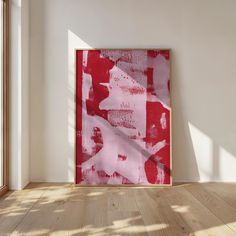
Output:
x=133 y=90
x=121 y=118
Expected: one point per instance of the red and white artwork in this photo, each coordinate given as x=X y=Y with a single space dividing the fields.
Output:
x=123 y=117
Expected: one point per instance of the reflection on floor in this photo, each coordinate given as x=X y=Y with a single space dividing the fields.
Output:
x=59 y=209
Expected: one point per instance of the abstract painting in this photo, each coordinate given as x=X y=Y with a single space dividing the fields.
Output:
x=123 y=117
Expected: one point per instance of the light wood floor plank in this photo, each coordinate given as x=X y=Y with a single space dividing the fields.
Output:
x=215 y=204
x=121 y=199
x=159 y=218
x=44 y=213
x=199 y=218
x=226 y=191
x=15 y=206
x=125 y=223
x=59 y=209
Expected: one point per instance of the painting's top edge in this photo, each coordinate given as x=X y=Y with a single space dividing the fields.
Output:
x=80 y=49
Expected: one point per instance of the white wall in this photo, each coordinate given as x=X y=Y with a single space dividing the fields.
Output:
x=19 y=94
x=202 y=36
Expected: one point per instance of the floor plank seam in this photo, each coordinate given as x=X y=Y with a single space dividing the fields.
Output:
x=186 y=225
x=212 y=212
x=27 y=212
x=224 y=202
x=139 y=210
x=52 y=227
x=219 y=197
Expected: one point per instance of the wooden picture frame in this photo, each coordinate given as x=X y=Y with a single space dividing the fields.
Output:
x=131 y=185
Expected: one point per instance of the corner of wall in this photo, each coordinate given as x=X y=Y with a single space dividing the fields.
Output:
x=19 y=94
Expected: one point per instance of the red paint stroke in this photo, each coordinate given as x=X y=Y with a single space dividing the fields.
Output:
x=155 y=134
x=122 y=157
x=79 y=153
x=136 y=90
x=154 y=131
x=98 y=67
x=151 y=171
x=165 y=53
x=150 y=87
x=155 y=53
x=98 y=140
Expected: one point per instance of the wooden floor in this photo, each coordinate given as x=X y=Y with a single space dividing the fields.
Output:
x=189 y=209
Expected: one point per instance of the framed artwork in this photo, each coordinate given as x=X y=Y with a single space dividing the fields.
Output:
x=123 y=117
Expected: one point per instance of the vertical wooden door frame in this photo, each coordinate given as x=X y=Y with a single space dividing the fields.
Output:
x=5 y=104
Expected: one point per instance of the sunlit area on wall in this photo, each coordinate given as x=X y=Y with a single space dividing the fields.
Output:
x=209 y=153
x=74 y=42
